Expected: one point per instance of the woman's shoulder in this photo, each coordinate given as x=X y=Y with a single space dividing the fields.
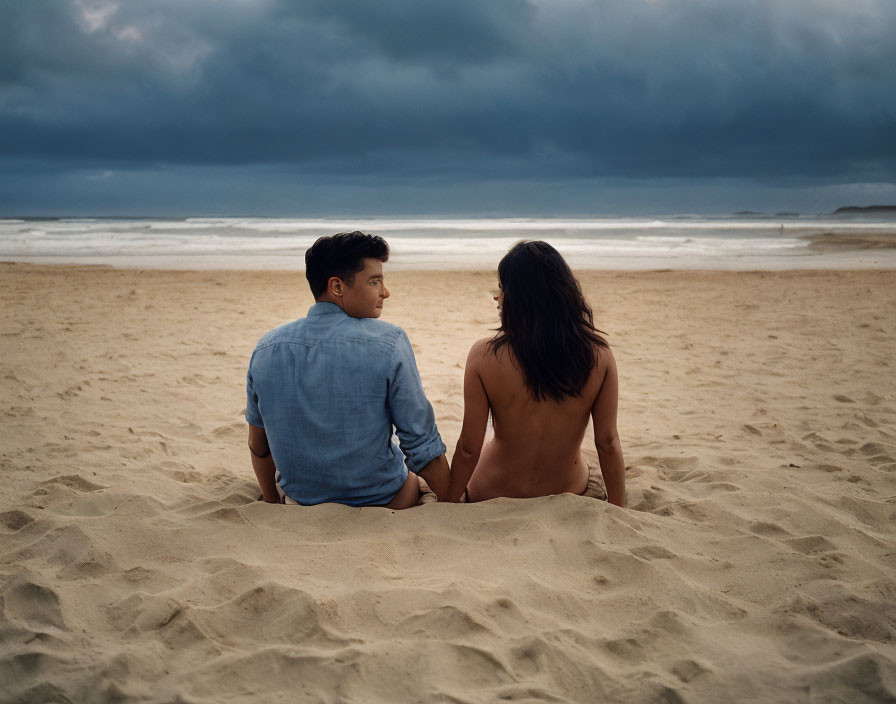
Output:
x=479 y=350
x=604 y=362
x=604 y=354
x=602 y=349
x=487 y=357
x=481 y=346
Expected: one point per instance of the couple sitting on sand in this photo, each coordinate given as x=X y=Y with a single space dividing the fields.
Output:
x=325 y=392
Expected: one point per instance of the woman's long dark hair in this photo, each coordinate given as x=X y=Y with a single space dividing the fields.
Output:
x=546 y=321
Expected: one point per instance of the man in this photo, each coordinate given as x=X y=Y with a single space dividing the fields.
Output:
x=324 y=392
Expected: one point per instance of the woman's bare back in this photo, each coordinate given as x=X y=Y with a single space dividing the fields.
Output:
x=536 y=448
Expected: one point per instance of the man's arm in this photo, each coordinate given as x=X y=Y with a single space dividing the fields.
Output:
x=606 y=437
x=472 y=434
x=259 y=450
x=263 y=464
x=414 y=420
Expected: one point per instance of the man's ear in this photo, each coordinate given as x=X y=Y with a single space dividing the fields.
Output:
x=335 y=286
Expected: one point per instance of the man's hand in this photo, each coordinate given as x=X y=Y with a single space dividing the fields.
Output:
x=263 y=464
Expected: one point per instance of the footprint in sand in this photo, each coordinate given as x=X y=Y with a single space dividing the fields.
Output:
x=877 y=453
x=811 y=544
x=768 y=529
x=686 y=670
x=848 y=614
x=652 y=552
x=74 y=481
x=863 y=678
x=15 y=520
x=72 y=550
x=33 y=605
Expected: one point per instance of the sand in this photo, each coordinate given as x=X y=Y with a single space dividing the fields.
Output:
x=756 y=561
x=882 y=240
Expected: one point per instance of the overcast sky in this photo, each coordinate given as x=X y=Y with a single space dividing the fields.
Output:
x=464 y=107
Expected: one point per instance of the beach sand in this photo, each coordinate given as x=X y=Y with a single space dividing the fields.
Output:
x=756 y=561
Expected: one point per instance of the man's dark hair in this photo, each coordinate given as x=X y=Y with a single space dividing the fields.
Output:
x=546 y=321
x=343 y=256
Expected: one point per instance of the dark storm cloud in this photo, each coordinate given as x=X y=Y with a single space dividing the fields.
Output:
x=461 y=89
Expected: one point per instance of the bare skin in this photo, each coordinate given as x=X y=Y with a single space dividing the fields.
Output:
x=536 y=449
x=263 y=464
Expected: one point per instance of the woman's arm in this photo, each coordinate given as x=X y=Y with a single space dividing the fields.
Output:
x=606 y=437
x=472 y=434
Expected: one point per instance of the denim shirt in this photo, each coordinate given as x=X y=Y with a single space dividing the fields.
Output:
x=328 y=390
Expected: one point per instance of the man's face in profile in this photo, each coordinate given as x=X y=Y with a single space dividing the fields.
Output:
x=364 y=298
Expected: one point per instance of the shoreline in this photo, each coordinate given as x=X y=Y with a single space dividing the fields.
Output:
x=841 y=241
x=462 y=246
x=821 y=255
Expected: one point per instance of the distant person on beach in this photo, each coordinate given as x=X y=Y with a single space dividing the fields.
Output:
x=544 y=375
x=324 y=392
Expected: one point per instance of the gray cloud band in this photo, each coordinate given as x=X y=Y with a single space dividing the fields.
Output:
x=626 y=88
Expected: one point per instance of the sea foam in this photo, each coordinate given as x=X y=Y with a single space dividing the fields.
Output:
x=613 y=243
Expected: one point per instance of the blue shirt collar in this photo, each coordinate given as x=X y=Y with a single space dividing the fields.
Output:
x=324 y=308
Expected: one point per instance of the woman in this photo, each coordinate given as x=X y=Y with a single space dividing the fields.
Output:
x=544 y=374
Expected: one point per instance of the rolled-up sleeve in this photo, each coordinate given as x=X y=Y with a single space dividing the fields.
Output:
x=412 y=414
x=253 y=415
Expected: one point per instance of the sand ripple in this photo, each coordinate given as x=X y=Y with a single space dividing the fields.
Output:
x=756 y=562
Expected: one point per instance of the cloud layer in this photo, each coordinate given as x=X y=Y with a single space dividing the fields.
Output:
x=459 y=91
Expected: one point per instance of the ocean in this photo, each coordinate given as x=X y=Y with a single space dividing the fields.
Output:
x=675 y=242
